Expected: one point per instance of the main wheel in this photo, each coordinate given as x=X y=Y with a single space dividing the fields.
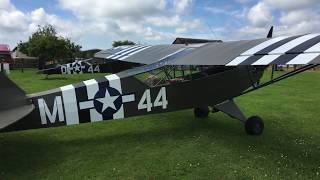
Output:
x=254 y=126
x=201 y=112
x=215 y=110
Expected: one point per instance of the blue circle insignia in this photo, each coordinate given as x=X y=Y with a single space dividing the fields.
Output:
x=107 y=101
x=77 y=67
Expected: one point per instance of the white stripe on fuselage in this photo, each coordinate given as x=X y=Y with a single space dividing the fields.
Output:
x=92 y=88
x=70 y=104
x=114 y=82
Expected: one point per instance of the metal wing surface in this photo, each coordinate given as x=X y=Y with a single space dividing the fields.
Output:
x=283 y=50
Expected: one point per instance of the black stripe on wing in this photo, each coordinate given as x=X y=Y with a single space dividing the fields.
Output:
x=287 y=56
x=304 y=46
x=276 y=45
x=294 y=52
x=267 y=50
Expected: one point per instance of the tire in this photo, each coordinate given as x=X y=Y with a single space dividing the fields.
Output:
x=215 y=110
x=254 y=126
x=201 y=112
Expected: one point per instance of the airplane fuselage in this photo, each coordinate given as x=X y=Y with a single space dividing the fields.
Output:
x=118 y=96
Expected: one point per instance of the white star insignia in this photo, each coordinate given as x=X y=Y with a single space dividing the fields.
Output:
x=77 y=68
x=108 y=101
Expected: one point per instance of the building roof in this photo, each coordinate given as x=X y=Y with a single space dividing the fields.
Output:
x=180 y=40
x=4 y=48
x=16 y=54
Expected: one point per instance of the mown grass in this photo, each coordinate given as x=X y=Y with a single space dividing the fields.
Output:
x=175 y=145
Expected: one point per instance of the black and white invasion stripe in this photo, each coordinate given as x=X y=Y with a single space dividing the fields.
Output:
x=282 y=51
x=127 y=52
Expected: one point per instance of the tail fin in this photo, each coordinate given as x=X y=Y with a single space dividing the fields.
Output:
x=14 y=103
x=270 y=34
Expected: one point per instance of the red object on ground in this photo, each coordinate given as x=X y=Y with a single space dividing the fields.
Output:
x=5 y=54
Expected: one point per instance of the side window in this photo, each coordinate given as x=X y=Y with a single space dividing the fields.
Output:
x=168 y=75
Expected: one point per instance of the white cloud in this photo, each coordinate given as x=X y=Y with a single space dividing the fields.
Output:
x=243 y=1
x=181 y=5
x=260 y=15
x=13 y=23
x=239 y=13
x=186 y=26
x=16 y=25
x=143 y=19
x=292 y=4
x=138 y=20
x=12 y=20
x=119 y=9
x=164 y=21
x=289 y=18
x=64 y=28
x=6 y=5
x=294 y=17
x=154 y=21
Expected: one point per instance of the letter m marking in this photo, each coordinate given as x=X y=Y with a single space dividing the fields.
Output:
x=46 y=114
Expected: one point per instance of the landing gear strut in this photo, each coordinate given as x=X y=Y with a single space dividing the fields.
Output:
x=253 y=125
x=201 y=112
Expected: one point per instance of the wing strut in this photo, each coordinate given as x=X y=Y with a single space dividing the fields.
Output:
x=280 y=78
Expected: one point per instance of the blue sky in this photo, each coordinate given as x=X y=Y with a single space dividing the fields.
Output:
x=95 y=24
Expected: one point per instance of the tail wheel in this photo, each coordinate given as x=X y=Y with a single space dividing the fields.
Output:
x=201 y=112
x=254 y=125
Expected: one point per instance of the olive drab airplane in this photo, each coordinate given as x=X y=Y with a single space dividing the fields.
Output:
x=204 y=76
x=76 y=67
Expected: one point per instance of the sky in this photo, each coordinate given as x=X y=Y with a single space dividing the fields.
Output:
x=97 y=23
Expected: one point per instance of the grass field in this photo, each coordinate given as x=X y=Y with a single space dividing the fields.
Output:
x=175 y=145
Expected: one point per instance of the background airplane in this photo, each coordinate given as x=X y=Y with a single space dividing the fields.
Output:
x=103 y=61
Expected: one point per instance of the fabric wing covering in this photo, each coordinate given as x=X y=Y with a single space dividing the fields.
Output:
x=283 y=50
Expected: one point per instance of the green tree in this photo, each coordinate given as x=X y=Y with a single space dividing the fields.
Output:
x=47 y=45
x=122 y=43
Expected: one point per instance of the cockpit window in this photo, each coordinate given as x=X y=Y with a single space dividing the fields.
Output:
x=175 y=74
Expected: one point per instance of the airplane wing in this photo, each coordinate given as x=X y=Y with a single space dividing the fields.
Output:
x=143 y=54
x=283 y=50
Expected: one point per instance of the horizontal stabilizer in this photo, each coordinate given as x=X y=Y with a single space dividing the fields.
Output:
x=10 y=116
x=14 y=104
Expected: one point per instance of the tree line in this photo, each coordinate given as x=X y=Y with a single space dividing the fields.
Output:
x=48 y=46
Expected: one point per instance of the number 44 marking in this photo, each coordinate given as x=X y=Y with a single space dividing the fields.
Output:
x=161 y=100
